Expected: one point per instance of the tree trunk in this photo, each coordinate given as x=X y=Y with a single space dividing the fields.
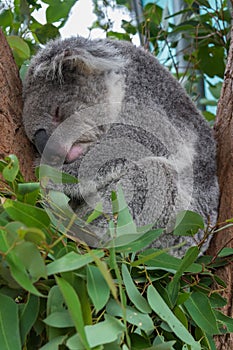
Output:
x=224 y=136
x=12 y=136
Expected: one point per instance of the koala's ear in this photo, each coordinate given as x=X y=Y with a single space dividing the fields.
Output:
x=86 y=62
x=81 y=60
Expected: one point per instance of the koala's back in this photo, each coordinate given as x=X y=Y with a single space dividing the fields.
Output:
x=141 y=130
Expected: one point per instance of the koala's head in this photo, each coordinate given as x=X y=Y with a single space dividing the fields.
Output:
x=64 y=78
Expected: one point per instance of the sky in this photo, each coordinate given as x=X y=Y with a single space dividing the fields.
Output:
x=81 y=18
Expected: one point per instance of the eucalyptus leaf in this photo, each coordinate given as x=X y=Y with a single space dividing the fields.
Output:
x=143 y=240
x=199 y=308
x=28 y=314
x=30 y=215
x=54 y=343
x=18 y=270
x=160 y=307
x=104 y=332
x=72 y=261
x=11 y=170
x=59 y=319
x=20 y=48
x=55 y=304
x=125 y=222
x=133 y=293
x=189 y=258
x=224 y=320
x=74 y=307
x=142 y=320
x=188 y=223
x=95 y=279
x=9 y=324
x=48 y=172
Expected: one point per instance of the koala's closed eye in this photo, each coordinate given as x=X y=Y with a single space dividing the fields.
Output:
x=57 y=117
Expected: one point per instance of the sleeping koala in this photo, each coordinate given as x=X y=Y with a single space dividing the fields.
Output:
x=111 y=115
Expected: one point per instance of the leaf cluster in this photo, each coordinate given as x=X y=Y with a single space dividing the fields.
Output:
x=58 y=293
x=24 y=33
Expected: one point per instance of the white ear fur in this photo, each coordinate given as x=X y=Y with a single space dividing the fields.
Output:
x=82 y=60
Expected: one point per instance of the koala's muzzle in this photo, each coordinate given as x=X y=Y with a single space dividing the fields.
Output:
x=53 y=153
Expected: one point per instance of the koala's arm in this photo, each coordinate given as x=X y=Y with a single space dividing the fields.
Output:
x=149 y=186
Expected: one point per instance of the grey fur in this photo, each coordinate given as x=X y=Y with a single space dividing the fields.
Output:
x=133 y=124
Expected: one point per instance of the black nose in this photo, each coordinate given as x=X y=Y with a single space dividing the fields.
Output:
x=54 y=151
x=40 y=140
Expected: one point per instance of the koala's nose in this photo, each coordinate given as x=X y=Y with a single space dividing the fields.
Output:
x=52 y=151
x=40 y=140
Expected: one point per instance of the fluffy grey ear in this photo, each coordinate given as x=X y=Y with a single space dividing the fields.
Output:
x=83 y=60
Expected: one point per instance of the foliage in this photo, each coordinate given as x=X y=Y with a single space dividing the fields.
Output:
x=24 y=33
x=59 y=294
x=193 y=42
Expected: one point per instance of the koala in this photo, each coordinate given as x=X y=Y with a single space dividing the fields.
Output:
x=111 y=115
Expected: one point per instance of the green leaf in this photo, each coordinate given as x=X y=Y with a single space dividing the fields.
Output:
x=32 y=234
x=106 y=274
x=32 y=260
x=11 y=170
x=98 y=211
x=199 y=308
x=55 y=304
x=189 y=2
x=133 y=316
x=95 y=279
x=28 y=187
x=72 y=261
x=30 y=215
x=145 y=257
x=20 y=48
x=28 y=313
x=75 y=343
x=6 y=18
x=16 y=231
x=59 y=319
x=217 y=301
x=225 y=252
x=216 y=90
x=59 y=10
x=118 y=35
x=160 y=344
x=188 y=223
x=134 y=295
x=17 y=268
x=208 y=116
x=162 y=310
x=28 y=192
x=9 y=324
x=74 y=307
x=54 y=343
x=211 y=60
x=125 y=225
x=46 y=32
x=46 y=172
x=104 y=332
x=179 y=313
x=101 y=333
x=143 y=240
x=173 y=287
x=224 y=320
